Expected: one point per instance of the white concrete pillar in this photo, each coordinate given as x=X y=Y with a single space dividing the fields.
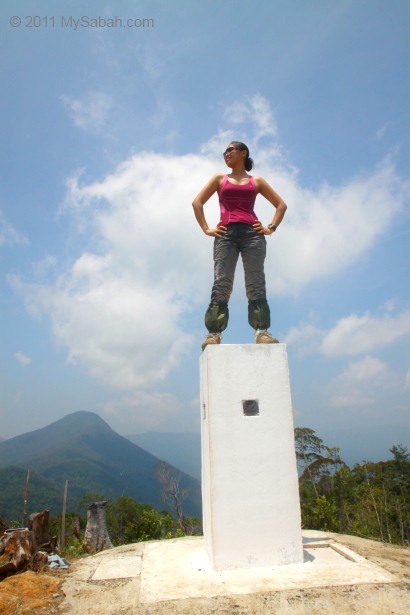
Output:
x=251 y=510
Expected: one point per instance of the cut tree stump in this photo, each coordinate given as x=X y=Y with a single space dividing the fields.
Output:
x=75 y=527
x=3 y=526
x=96 y=536
x=38 y=524
x=17 y=548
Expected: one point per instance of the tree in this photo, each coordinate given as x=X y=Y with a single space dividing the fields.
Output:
x=314 y=458
x=174 y=495
x=130 y=521
x=373 y=499
x=318 y=465
x=401 y=457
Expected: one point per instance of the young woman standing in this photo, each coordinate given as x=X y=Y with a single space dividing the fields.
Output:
x=238 y=232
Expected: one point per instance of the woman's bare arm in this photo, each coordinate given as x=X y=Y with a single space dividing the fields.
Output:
x=198 y=204
x=273 y=197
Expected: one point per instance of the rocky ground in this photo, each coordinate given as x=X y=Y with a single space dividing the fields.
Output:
x=69 y=592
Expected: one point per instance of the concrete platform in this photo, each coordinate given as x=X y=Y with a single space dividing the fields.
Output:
x=180 y=569
x=120 y=567
x=147 y=578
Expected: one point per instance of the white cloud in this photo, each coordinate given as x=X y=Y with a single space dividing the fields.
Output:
x=407 y=381
x=44 y=266
x=256 y=110
x=306 y=338
x=89 y=112
x=361 y=383
x=8 y=234
x=121 y=306
x=248 y=121
x=318 y=239
x=141 y=411
x=381 y=132
x=360 y=334
x=22 y=358
x=217 y=144
x=352 y=335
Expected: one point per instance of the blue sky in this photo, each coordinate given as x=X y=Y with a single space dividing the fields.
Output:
x=109 y=132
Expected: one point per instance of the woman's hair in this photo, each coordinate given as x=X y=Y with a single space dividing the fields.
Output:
x=248 y=159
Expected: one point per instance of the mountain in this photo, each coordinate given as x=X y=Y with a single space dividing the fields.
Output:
x=43 y=494
x=182 y=450
x=84 y=450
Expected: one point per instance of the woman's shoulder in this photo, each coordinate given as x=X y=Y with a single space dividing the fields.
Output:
x=218 y=179
x=259 y=181
x=215 y=181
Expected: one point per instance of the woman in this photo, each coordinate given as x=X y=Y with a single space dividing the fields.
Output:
x=238 y=231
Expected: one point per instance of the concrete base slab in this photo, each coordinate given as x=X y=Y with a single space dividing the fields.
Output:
x=118 y=568
x=180 y=569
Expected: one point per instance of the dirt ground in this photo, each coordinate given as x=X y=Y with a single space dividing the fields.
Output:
x=30 y=592
x=44 y=594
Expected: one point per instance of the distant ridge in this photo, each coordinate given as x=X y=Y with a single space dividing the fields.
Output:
x=43 y=494
x=182 y=450
x=50 y=439
x=83 y=449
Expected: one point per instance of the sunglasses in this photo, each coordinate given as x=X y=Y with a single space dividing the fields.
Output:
x=228 y=151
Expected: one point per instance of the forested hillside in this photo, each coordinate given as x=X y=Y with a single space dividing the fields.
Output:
x=84 y=450
x=182 y=450
x=370 y=499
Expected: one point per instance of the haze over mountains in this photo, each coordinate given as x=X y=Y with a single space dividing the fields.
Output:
x=182 y=450
x=84 y=450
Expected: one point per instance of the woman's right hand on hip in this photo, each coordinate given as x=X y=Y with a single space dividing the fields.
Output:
x=219 y=231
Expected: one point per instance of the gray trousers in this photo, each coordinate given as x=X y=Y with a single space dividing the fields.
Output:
x=244 y=240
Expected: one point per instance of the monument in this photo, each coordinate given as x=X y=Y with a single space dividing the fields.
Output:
x=251 y=510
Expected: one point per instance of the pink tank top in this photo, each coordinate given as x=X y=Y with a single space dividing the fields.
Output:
x=237 y=202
